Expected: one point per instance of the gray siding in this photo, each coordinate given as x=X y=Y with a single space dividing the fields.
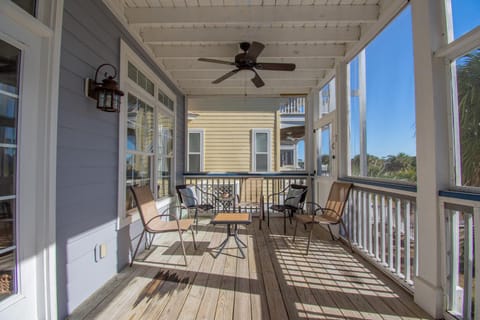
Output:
x=87 y=163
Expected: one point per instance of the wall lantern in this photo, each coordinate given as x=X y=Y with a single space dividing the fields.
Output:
x=107 y=92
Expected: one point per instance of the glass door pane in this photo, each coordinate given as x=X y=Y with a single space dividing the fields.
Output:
x=323 y=151
x=9 y=98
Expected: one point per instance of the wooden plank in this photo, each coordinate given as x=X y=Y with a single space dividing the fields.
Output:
x=192 y=303
x=242 y=305
x=257 y=289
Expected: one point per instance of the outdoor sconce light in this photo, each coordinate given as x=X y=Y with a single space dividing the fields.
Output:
x=107 y=92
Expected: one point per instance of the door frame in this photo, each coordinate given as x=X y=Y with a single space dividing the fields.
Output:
x=39 y=40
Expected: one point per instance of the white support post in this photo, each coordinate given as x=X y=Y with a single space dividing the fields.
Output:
x=362 y=101
x=432 y=109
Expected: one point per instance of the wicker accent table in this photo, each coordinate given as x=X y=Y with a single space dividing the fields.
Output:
x=229 y=219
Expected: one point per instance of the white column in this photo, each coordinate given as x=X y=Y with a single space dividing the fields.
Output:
x=432 y=129
x=342 y=155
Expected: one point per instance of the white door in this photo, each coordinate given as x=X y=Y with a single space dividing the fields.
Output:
x=325 y=169
x=25 y=226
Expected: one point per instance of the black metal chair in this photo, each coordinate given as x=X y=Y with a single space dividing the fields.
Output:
x=194 y=198
x=293 y=200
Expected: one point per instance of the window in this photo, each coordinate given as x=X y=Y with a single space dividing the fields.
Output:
x=261 y=150
x=287 y=157
x=27 y=5
x=327 y=98
x=147 y=133
x=9 y=105
x=382 y=105
x=195 y=150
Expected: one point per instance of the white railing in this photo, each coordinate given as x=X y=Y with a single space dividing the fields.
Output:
x=294 y=106
x=382 y=224
x=462 y=249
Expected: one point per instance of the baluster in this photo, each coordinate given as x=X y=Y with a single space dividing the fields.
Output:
x=382 y=230
x=398 y=229
x=369 y=224
x=364 y=221
x=390 y=233
x=467 y=265
x=476 y=233
x=407 y=243
x=375 y=226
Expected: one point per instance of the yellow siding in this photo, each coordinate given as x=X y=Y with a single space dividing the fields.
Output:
x=227 y=138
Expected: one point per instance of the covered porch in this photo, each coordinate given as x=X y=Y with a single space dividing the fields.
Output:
x=275 y=281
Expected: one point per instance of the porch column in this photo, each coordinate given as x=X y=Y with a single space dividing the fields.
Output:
x=432 y=129
x=342 y=154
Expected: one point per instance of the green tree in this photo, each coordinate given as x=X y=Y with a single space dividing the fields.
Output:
x=468 y=86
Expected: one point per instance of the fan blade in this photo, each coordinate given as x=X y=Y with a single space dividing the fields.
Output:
x=226 y=76
x=216 y=61
x=275 y=66
x=255 y=49
x=257 y=81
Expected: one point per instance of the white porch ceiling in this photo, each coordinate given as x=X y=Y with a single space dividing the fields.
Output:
x=310 y=33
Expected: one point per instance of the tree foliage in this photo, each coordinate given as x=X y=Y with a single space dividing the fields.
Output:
x=397 y=167
x=468 y=86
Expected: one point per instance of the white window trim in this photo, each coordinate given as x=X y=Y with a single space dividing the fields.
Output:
x=254 y=153
x=202 y=152
x=42 y=97
x=129 y=86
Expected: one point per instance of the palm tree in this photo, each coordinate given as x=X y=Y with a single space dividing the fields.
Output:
x=468 y=82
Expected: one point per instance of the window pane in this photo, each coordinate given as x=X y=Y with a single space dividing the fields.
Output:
x=382 y=105
x=468 y=149
x=8 y=160
x=7 y=223
x=323 y=151
x=8 y=119
x=286 y=158
x=261 y=162
x=194 y=142
x=7 y=274
x=27 y=5
x=194 y=163
x=132 y=72
x=261 y=142
x=165 y=154
x=327 y=98
x=465 y=16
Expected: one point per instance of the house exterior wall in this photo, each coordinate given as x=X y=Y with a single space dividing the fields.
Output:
x=88 y=156
x=228 y=138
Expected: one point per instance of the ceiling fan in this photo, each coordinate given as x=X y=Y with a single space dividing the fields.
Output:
x=247 y=60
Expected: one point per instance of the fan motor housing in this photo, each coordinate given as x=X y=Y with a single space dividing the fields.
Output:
x=243 y=62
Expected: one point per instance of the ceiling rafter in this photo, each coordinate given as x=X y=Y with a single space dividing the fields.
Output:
x=260 y=34
x=253 y=14
x=270 y=51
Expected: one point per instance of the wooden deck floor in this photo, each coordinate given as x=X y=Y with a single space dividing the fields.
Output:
x=275 y=281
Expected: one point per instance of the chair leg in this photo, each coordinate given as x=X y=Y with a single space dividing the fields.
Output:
x=151 y=241
x=331 y=233
x=309 y=238
x=295 y=231
x=193 y=237
x=183 y=247
x=136 y=249
x=196 y=219
x=346 y=233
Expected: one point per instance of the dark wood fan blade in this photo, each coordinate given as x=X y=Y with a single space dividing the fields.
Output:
x=255 y=49
x=216 y=61
x=275 y=66
x=226 y=76
x=257 y=81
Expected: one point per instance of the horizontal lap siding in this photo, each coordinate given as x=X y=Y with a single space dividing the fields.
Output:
x=227 y=138
x=87 y=156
